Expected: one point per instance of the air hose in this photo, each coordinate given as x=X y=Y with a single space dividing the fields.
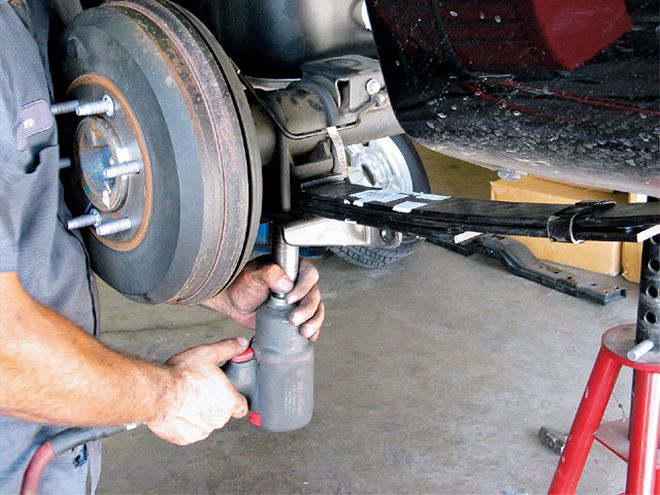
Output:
x=60 y=443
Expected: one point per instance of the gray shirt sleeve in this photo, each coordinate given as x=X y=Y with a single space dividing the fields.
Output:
x=11 y=202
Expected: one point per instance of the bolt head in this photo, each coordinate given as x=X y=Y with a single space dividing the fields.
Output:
x=509 y=175
x=387 y=236
x=72 y=50
x=373 y=87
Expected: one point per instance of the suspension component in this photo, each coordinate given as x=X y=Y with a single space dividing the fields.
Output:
x=337 y=102
x=323 y=232
x=430 y=215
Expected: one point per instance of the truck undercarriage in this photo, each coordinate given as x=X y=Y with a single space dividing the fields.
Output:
x=193 y=148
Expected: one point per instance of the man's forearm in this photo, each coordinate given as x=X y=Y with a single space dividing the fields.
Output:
x=51 y=371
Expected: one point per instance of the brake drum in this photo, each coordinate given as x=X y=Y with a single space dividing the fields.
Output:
x=181 y=114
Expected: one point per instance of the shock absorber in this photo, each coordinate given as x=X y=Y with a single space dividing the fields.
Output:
x=276 y=374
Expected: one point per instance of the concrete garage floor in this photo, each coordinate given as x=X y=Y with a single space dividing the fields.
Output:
x=432 y=376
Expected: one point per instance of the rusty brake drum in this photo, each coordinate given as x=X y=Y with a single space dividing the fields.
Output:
x=189 y=196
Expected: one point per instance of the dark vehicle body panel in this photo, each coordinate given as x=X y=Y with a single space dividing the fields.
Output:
x=486 y=82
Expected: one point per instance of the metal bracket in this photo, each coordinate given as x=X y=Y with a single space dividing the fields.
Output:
x=519 y=260
x=352 y=79
x=340 y=166
x=318 y=232
x=560 y=225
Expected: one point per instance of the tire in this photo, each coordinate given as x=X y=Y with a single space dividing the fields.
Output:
x=416 y=180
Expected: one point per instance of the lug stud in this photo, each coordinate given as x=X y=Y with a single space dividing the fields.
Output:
x=93 y=218
x=114 y=227
x=104 y=106
x=64 y=107
x=127 y=168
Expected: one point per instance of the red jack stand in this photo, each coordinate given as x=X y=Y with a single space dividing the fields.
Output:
x=635 y=442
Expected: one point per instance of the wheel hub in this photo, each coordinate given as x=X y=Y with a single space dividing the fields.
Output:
x=96 y=151
x=102 y=143
x=379 y=163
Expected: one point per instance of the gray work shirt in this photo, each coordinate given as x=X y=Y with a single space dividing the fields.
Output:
x=50 y=261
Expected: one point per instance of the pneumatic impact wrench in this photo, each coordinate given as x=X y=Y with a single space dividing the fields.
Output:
x=276 y=373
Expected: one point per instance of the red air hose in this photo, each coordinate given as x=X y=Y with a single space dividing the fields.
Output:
x=40 y=460
x=58 y=444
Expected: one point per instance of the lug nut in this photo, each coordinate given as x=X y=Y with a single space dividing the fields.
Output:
x=552 y=439
x=93 y=218
x=127 y=168
x=640 y=350
x=114 y=227
x=103 y=106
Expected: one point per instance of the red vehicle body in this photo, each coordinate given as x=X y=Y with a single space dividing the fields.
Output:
x=560 y=89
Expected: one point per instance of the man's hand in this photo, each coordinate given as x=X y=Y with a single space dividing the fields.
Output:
x=252 y=287
x=201 y=399
x=53 y=372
